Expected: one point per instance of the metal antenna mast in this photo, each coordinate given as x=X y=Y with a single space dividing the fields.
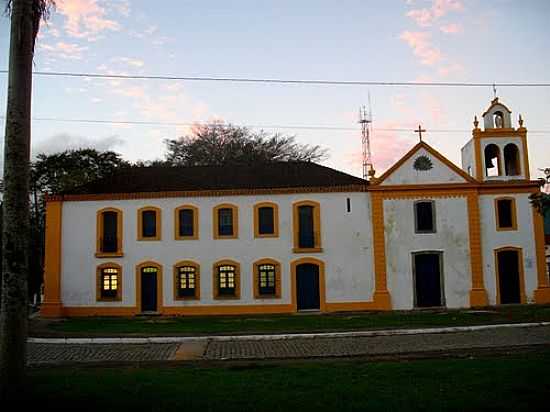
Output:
x=365 y=120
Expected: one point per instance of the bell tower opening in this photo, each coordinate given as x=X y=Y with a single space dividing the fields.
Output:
x=492 y=160
x=511 y=160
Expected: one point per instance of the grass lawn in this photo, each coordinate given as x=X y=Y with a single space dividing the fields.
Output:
x=521 y=382
x=196 y=325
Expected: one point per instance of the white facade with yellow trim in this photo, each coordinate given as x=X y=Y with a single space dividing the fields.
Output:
x=423 y=234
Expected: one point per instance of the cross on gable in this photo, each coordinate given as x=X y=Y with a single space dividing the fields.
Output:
x=419 y=131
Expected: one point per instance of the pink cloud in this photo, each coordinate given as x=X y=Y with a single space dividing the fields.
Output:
x=64 y=50
x=85 y=18
x=426 y=16
x=420 y=42
x=452 y=28
x=451 y=69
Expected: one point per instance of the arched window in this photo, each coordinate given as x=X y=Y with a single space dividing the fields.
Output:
x=186 y=280
x=149 y=223
x=306 y=222
x=511 y=160
x=109 y=232
x=492 y=160
x=226 y=280
x=267 y=279
x=109 y=282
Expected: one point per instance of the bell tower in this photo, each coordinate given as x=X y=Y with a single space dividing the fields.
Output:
x=498 y=152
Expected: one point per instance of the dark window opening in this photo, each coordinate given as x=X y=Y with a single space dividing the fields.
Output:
x=109 y=283
x=266 y=220
x=186 y=281
x=424 y=217
x=186 y=221
x=226 y=280
x=266 y=279
x=348 y=204
x=149 y=223
x=306 y=231
x=492 y=160
x=511 y=160
x=109 y=241
x=505 y=214
x=225 y=222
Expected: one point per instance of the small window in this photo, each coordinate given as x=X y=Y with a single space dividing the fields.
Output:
x=109 y=232
x=186 y=222
x=506 y=214
x=266 y=220
x=149 y=223
x=266 y=279
x=186 y=281
x=109 y=282
x=225 y=222
x=226 y=280
x=424 y=217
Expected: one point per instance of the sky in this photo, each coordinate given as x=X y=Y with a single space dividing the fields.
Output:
x=391 y=40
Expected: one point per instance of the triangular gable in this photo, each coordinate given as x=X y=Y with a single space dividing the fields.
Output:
x=436 y=170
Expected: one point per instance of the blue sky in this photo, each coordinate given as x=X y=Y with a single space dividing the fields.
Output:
x=391 y=40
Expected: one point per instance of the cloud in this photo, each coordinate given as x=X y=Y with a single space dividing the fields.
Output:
x=420 y=42
x=66 y=141
x=128 y=61
x=86 y=18
x=64 y=50
x=427 y=16
x=451 y=69
x=452 y=28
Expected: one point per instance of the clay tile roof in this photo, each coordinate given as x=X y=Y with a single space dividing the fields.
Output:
x=261 y=176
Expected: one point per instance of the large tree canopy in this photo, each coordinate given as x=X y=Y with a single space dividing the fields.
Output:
x=224 y=144
x=65 y=170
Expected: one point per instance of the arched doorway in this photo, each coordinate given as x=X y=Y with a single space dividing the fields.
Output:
x=308 y=280
x=509 y=271
x=149 y=287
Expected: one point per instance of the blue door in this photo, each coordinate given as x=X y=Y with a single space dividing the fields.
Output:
x=307 y=286
x=149 y=289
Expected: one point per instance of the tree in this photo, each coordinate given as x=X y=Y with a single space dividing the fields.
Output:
x=25 y=22
x=222 y=144
x=541 y=200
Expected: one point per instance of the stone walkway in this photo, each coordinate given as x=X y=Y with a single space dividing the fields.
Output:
x=236 y=349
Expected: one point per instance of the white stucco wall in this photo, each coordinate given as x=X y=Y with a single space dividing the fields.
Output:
x=346 y=242
x=451 y=238
x=468 y=158
x=439 y=173
x=492 y=239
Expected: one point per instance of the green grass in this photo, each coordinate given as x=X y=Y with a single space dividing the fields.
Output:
x=195 y=325
x=518 y=383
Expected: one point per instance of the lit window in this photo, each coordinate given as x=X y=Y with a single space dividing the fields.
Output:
x=226 y=280
x=266 y=279
x=109 y=282
x=186 y=278
x=424 y=217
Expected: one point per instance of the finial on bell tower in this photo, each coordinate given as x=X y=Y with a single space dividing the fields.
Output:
x=520 y=121
x=476 y=122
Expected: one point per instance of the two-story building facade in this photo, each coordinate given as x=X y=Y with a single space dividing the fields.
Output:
x=283 y=237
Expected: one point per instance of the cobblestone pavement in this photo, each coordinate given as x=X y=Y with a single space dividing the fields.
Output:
x=376 y=345
x=45 y=353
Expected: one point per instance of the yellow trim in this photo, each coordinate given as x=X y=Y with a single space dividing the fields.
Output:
x=513 y=211
x=99 y=233
x=99 y=281
x=523 y=134
x=322 y=293
x=256 y=279
x=257 y=207
x=158 y=223
x=210 y=193
x=520 y=269
x=381 y=296
x=197 y=295
x=140 y=266
x=478 y=294
x=317 y=248
x=215 y=281
x=212 y=310
x=195 y=210
x=477 y=154
x=80 y=311
x=215 y=221
x=542 y=292
x=51 y=307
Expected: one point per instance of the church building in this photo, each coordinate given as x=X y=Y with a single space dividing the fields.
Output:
x=297 y=236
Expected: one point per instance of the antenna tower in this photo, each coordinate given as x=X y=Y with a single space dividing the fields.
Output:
x=365 y=120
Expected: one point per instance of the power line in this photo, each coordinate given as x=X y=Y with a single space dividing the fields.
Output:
x=283 y=81
x=255 y=126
